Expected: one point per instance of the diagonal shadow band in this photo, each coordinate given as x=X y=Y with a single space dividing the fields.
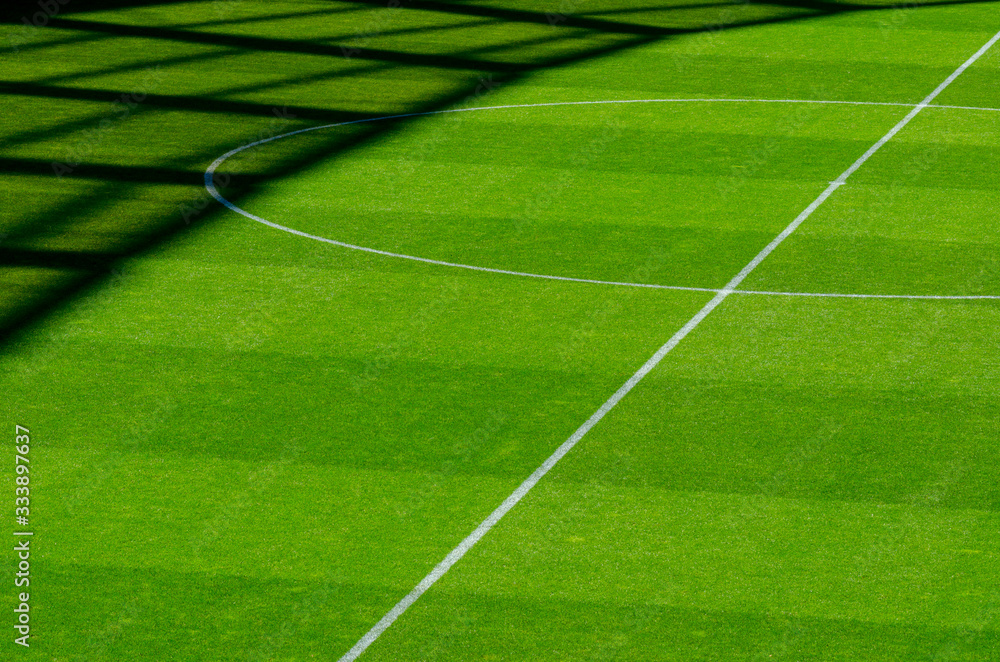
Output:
x=181 y=102
x=467 y=76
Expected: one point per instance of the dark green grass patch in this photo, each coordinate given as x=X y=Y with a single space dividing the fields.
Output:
x=249 y=445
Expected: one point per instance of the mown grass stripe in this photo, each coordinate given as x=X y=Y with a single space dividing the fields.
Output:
x=522 y=490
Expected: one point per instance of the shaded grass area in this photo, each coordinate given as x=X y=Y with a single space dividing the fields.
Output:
x=479 y=624
x=631 y=627
x=124 y=611
x=128 y=124
x=864 y=445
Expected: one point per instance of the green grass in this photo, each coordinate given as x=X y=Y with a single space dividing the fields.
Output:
x=250 y=446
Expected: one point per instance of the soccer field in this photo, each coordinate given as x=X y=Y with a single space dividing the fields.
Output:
x=500 y=330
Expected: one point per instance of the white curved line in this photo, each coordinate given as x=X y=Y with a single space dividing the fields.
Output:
x=456 y=554
x=213 y=191
x=455 y=264
x=992 y=110
x=945 y=297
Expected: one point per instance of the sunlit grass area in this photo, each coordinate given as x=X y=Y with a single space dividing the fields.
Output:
x=251 y=442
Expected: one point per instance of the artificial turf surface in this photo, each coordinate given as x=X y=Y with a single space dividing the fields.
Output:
x=249 y=445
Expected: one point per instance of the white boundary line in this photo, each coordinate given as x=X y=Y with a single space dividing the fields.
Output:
x=933 y=297
x=210 y=186
x=453 y=557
